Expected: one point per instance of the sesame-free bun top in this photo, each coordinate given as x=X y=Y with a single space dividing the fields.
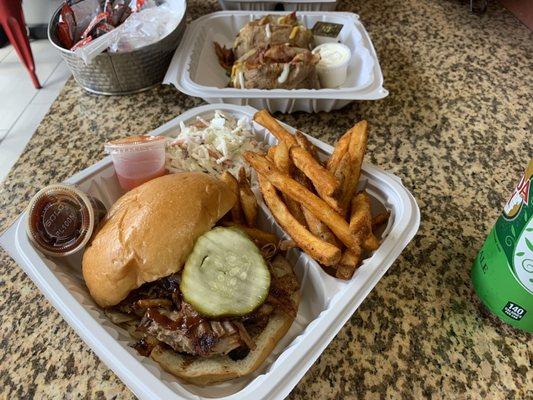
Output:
x=150 y=231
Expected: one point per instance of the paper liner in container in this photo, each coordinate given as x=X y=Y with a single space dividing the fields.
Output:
x=288 y=5
x=326 y=302
x=195 y=70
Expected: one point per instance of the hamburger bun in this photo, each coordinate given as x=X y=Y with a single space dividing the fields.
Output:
x=150 y=231
x=212 y=370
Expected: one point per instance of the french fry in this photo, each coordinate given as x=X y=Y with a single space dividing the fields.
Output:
x=344 y=272
x=311 y=149
x=281 y=158
x=371 y=243
x=270 y=152
x=322 y=179
x=306 y=198
x=356 y=151
x=236 y=210
x=361 y=221
x=283 y=162
x=347 y=265
x=342 y=170
x=380 y=219
x=347 y=166
x=317 y=227
x=303 y=142
x=295 y=209
x=247 y=198
x=339 y=151
x=259 y=236
x=321 y=251
x=342 y=173
x=264 y=118
x=361 y=217
x=350 y=258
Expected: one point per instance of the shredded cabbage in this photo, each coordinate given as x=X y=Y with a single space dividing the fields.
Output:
x=212 y=146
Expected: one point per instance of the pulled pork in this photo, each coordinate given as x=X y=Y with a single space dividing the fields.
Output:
x=187 y=332
x=276 y=67
x=272 y=30
x=225 y=56
x=163 y=317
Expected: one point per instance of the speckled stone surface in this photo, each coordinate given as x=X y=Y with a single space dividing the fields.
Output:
x=456 y=128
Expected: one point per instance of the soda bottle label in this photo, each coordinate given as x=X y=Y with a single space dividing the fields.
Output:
x=502 y=273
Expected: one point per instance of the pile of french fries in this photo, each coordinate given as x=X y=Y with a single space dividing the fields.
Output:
x=316 y=204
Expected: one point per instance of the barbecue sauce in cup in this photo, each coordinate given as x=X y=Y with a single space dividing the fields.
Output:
x=62 y=219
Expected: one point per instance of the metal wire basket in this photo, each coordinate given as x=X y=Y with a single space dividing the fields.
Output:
x=120 y=73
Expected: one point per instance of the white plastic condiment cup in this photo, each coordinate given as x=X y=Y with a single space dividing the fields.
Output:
x=137 y=159
x=332 y=72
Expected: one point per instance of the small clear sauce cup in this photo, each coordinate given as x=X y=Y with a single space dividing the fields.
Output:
x=137 y=159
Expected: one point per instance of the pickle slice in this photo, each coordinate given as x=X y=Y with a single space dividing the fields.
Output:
x=225 y=275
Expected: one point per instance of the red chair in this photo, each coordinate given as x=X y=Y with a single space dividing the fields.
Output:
x=12 y=19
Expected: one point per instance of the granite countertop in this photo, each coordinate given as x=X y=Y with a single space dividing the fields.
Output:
x=456 y=128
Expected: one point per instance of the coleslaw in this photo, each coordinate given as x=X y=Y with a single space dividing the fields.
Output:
x=212 y=146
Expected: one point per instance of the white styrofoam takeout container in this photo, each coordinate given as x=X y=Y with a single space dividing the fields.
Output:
x=195 y=70
x=288 y=5
x=326 y=304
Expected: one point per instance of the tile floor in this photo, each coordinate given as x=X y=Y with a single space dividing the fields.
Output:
x=22 y=107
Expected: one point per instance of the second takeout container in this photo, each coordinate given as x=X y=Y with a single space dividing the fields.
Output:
x=326 y=302
x=288 y=5
x=195 y=70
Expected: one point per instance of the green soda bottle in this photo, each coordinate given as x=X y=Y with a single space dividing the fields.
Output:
x=502 y=273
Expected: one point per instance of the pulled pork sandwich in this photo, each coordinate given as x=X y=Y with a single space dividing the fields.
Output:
x=200 y=300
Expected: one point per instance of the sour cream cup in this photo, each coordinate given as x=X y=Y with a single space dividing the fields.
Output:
x=333 y=65
x=137 y=159
x=62 y=219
